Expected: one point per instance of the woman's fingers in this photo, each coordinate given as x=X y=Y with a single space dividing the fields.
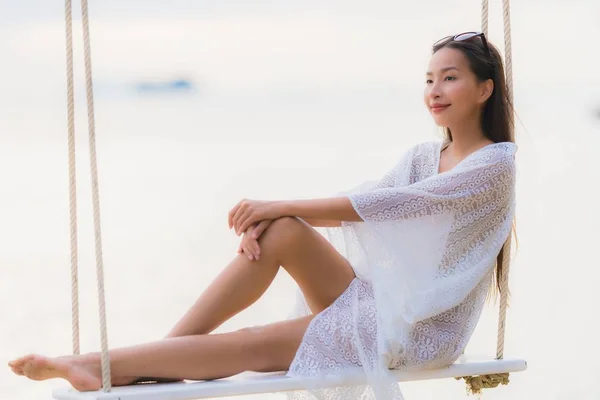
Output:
x=255 y=249
x=235 y=217
x=232 y=213
x=240 y=222
x=248 y=219
x=249 y=245
x=248 y=253
x=243 y=220
x=252 y=250
x=249 y=212
x=260 y=228
x=236 y=213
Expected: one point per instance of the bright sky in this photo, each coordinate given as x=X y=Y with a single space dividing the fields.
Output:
x=326 y=43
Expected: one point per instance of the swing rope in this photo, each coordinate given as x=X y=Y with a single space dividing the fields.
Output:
x=485 y=13
x=106 y=382
x=72 y=179
x=474 y=383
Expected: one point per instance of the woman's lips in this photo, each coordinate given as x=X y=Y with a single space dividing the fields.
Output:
x=439 y=108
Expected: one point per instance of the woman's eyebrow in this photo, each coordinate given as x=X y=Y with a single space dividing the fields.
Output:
x=443 y=70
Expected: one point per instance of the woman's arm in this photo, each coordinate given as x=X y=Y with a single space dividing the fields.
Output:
x=333 y=210
x=248 y=212
x=322 y=223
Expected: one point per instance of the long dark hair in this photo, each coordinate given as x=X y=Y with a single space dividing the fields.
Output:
x=497 y=122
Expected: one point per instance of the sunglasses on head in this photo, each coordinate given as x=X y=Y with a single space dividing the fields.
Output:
x=461 y=37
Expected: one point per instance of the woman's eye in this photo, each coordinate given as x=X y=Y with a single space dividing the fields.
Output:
x=450 y=78
x=428 y=81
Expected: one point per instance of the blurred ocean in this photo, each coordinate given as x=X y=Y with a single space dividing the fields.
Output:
x=289 y=101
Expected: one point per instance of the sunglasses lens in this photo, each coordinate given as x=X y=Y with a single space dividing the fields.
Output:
x=466 y=36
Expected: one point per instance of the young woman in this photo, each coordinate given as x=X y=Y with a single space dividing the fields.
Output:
x=399 y=284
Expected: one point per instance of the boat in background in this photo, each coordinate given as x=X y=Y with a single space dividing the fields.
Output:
x=166 y=86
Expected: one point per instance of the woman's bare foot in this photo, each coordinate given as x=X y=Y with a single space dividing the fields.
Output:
x=82 y=372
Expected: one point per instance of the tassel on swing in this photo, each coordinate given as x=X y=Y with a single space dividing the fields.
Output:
x=476 y=383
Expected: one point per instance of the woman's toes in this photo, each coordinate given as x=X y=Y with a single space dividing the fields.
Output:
x=17 y=371
x=18 y=364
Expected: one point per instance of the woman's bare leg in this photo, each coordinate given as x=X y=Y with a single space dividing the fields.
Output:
x=320 y=271
x=198 y=357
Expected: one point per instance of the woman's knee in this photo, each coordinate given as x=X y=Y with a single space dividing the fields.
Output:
x=283 y=232
x=272 y=347
x=288 y=225
x=252 y=345
x=260 y=351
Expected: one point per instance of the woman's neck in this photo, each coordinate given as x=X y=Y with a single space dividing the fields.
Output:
x=466 y=139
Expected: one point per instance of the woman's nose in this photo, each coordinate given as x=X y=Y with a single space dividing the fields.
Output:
x=434 y=92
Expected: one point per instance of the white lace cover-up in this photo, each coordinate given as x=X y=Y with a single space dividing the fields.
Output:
x=424 y=259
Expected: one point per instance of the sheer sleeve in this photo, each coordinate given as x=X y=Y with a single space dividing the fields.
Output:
x=387 y=181
x=474 y=187
x=426 y=245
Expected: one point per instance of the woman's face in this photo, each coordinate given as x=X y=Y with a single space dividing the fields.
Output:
x=452 y=91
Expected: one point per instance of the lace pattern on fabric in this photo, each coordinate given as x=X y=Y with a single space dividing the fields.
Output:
x=424 y=259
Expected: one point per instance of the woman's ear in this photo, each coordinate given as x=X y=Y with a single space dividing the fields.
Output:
x=486 y=90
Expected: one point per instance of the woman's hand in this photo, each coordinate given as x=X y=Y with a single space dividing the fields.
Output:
x=249 y=244
x=248 y=212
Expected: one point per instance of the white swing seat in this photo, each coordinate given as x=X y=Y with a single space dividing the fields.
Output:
x=255 y=383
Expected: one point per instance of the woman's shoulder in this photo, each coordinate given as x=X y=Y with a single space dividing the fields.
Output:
x=502 y=150
x=494 y=154
x=508 y=147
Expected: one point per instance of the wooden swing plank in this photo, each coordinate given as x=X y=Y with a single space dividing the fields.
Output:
x=255 y=383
